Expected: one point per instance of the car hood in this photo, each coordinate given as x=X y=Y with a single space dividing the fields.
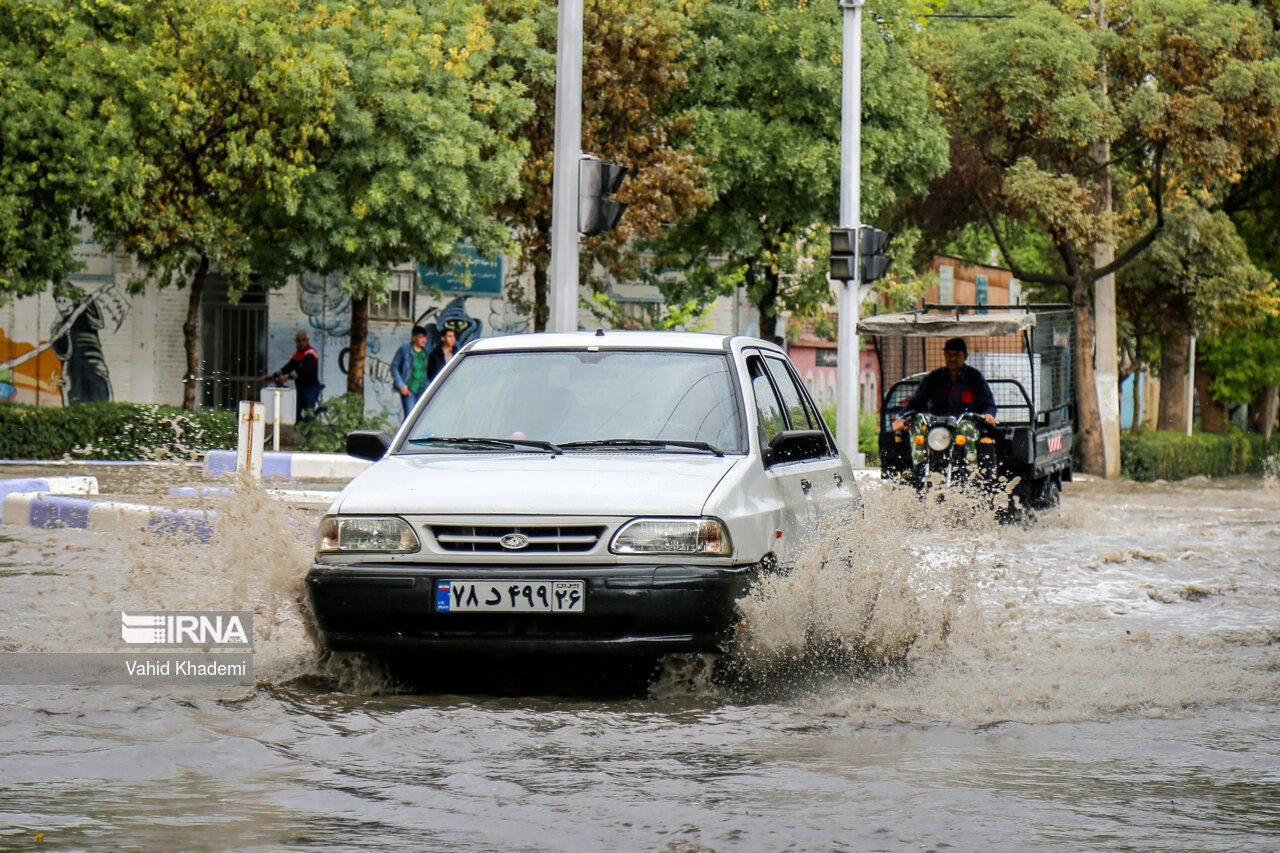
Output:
x=574 y=483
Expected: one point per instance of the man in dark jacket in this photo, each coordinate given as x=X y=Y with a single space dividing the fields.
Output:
x=951 y=390
x=304 y=366
x=442 y=353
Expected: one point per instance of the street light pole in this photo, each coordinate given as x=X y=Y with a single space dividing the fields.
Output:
x=562 y=295
x=848 y=357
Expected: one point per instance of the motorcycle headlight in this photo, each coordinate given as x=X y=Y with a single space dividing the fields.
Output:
x=706 y=536
x=366 y=534
x=939 y=438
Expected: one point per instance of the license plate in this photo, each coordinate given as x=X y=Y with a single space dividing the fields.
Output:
x=510 y=596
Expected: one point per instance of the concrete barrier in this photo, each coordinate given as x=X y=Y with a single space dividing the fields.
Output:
x=53 y=511
x=51 y=485
x=291 y=466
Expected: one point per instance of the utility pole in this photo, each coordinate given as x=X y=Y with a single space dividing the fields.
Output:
x=1105 y=358
x=562 y=296
x=848 y=356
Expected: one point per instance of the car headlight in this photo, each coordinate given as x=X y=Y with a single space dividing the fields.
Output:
x=939 y=438
x=672 y=536
x=366 y=534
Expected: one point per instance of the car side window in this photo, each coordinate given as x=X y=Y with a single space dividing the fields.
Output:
x=792 y=400
x=768 y=409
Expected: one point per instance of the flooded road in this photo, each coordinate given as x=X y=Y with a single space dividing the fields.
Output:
x=1106 y=678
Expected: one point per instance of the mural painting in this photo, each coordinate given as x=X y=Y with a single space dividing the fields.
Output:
x=70 y=366
x=326 y=308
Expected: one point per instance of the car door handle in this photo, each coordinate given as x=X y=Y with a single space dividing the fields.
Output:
x=805 y=484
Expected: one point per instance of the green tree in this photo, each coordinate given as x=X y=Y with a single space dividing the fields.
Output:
x=422 y=146
x=765 y=96
x=57 y=128
x=634 y=64
x=271 y=138
x=1244 y=363
x=1190 y=280
x=1191 y=99
x=224 y=101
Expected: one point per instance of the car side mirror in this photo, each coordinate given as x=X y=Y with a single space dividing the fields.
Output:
x=795 y=444
x=368 y=444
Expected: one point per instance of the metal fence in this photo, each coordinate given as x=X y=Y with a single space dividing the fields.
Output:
x=1029 y=372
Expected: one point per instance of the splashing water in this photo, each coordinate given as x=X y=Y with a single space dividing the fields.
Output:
x=872 y=589
x=928 y=610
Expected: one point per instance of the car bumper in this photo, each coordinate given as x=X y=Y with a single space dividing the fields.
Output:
x=629 y=609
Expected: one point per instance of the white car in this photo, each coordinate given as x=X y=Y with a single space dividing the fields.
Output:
x=584 y=492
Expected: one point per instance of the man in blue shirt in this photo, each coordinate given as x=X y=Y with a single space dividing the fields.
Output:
x=952 y=390
x=409 y=369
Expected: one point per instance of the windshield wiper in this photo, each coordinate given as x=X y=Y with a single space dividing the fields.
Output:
x=505 y=443
x=645 y=442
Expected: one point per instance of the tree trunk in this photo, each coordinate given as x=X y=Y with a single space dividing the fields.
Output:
x=1213 y=413
x=191 y=337
x=1087 y=412
x=767 y=302
x=540 y=308
x=1135 y=426
x=1173 y=383
x=1264 y=410
x=359 y=339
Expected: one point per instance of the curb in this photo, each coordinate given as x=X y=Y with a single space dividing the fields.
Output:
x=293 y=466
x=52 y=485
x=297 y=495
x=55 y=511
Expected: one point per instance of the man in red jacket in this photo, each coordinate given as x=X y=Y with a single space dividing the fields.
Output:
x=304 y=367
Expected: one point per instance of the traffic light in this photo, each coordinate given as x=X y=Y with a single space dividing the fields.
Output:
x=874 y=262
x=842 y=254
x=597 y=180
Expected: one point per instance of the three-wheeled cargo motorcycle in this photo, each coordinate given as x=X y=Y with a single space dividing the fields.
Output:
x=1024 y=352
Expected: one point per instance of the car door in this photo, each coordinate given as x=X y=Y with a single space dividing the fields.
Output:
x=826 y=481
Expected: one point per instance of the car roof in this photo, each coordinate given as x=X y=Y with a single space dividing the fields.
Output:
x=604 y=339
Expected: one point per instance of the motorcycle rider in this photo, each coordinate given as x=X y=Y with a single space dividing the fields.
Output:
x=951 y=390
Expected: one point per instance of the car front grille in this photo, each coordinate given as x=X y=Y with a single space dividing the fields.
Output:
x=472 y=539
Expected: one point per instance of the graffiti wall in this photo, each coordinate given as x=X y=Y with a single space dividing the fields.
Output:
x=68 y=364
x=319 y=305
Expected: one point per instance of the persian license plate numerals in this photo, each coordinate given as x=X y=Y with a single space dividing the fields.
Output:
x=510 y=596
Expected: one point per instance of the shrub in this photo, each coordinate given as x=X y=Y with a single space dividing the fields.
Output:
x=868 y=432
x=327 y=431
x=1154 y=455
x=118 y=431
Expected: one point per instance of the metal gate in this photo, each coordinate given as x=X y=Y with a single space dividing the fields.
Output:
x=234 y=350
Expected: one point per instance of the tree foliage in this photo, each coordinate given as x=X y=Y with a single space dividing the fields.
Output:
x=57 y=128
x=634 y=63
x=269 y=138
x=765 y=94
x=1185 y=91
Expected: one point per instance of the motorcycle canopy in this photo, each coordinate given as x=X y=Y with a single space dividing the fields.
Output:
x=953 y=324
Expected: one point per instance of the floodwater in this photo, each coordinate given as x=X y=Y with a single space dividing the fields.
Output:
x=1107 y=678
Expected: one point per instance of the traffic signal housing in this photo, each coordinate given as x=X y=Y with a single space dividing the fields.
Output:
x=597 y=181
x=842 y=253
x=875 y=263
x=872 y=243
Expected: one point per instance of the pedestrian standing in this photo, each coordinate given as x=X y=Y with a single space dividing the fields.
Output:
x=304 y=367
x=442 y=353
x=409 y=369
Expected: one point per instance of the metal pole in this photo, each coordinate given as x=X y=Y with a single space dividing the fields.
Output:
x=562 y=294
x=848 y=357
x=275 y=432
x=1106 y=350
x=1191 y=383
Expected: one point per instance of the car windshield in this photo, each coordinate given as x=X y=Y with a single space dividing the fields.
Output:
x=566 y=397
